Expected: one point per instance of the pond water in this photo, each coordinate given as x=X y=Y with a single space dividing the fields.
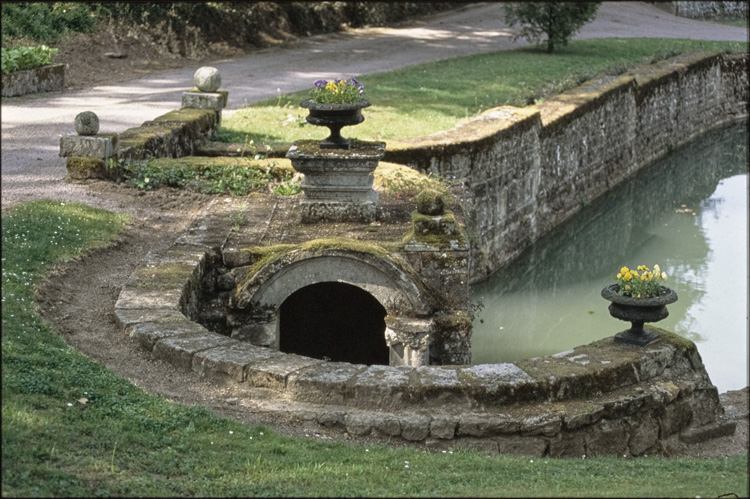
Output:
x=688 y=212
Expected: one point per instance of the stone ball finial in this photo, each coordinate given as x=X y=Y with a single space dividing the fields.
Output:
x=86 y=123
x=430 y=202
x=207 y=79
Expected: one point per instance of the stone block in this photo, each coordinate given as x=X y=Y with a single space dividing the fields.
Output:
x=359 y=423
x=264 y=334
x=179 y=350
x=83 y=168
x=486 y=425
x=440 y=385
x=364 y=423
x=102 y=145
x=443 y=427
x=516 y=445
x=149 y=333
x=204 y=100
x=314 y=211
x=607 y=437
x=230 y=361
x=415 y=427
x=434 y=225
x=236 y=258
x=383 y=387
x=325 y=383
x=644 y=435
x=130 y=317
x=330 y=418
x=490 y=374
x=708 y=431
x=136 y=297
x=274 y=372
x=478 y=444
x=567 y=445
x=542 y=423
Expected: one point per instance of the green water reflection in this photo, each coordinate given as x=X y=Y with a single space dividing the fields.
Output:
x=688 y=213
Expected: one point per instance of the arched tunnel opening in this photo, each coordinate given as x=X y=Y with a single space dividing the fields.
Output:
x=336 y=321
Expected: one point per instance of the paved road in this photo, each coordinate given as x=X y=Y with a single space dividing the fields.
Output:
x=32 y=126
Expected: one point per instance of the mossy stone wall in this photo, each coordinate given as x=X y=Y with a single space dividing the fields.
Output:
x=530 y=169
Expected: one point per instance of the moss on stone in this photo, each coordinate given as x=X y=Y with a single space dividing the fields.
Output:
x=85 y=168
x=263 y=256
x=436 y=239
x=279 y=169
x=430 y=202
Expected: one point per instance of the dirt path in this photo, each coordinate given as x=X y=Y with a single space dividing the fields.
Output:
x=82 y=310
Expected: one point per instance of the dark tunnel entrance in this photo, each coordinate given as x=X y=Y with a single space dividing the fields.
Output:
x=336 y=321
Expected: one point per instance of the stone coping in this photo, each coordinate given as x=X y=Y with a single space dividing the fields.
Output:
x=526 y=407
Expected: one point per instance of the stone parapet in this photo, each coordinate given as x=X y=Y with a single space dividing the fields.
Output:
x=529 y=169
x=599 y=399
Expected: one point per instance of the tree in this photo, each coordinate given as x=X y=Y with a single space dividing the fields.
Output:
x=558 y=20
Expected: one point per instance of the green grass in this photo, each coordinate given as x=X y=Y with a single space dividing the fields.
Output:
x=72 y=428
x=427 y=98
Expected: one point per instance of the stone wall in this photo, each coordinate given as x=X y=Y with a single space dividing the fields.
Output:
x=706 y=10
x=605 y=398
x=529 y=169
x=44 y=79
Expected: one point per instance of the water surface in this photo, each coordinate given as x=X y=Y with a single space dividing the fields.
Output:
x=687 y=212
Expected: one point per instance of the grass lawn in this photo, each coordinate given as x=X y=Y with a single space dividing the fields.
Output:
x=427 y=98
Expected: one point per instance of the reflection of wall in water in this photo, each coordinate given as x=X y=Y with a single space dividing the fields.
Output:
x=606 y=230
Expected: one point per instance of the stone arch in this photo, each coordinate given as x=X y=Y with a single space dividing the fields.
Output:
x=334 y=321
x=393 y=284
x=394 y=287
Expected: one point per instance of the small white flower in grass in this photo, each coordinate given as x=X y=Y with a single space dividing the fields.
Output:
x=367 y=450
x=231 y=432
x=261 y=433
x=70 y=405
x=531 y=460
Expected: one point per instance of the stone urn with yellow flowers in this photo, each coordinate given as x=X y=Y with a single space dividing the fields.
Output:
x=639 y=297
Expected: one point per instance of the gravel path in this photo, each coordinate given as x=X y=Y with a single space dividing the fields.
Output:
x=32 y=125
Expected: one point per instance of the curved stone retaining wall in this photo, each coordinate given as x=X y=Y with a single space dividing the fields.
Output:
x=602 y=398
x=529 y=169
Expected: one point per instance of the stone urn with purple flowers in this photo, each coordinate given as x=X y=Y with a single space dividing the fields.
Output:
x=336 y=104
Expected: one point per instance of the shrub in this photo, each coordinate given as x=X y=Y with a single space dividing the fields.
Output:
x=558 y=20
x=46 y=22
x=20 y=58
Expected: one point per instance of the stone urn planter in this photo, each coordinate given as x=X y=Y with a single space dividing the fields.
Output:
x=638 y=311
x=335 y=117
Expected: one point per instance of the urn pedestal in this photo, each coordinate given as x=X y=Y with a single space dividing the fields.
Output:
x=338 y=182
x=638 y=311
